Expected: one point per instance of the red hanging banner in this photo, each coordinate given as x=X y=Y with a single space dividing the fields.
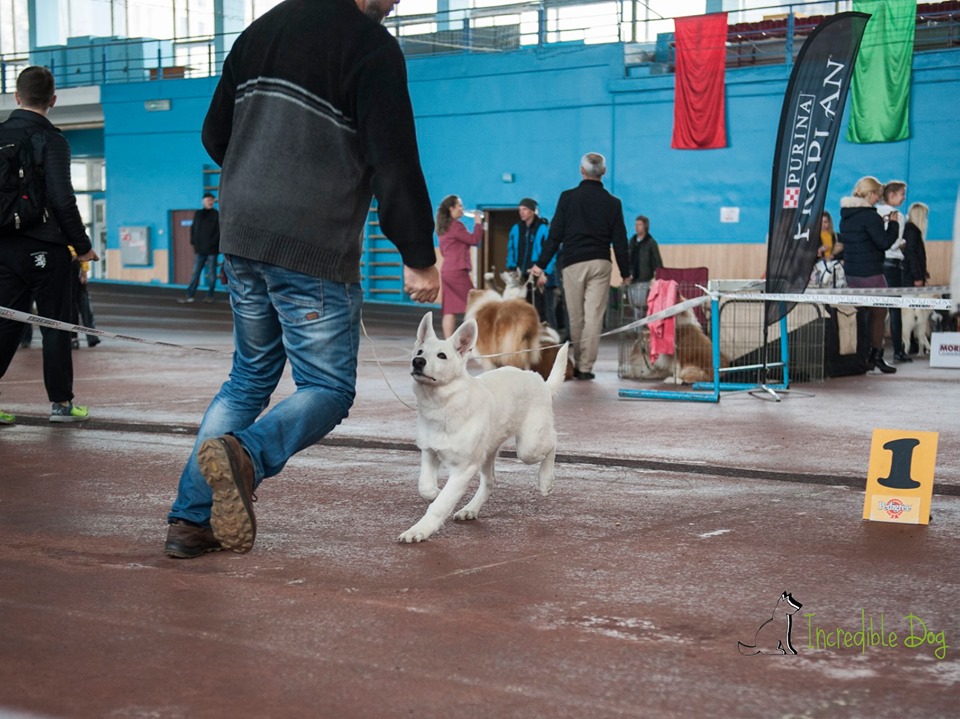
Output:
x=699 y=121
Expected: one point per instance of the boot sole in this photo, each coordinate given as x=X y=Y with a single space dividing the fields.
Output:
x=184 y=554
x=230 y=519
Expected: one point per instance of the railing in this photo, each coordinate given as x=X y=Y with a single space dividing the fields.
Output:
x=647 y=41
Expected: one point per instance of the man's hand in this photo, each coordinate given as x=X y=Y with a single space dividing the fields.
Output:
x=627 y=280
x=542 y=280
x=90 y=256
x=421 y=285
x=535 y=271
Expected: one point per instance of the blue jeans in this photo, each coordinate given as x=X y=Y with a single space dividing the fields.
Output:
x=201 y=261
x=278 y=314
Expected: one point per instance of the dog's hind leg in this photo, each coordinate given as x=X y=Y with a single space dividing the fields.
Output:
x=442 y=506
x=487 y=481
x=545 y=476
x=538 y=443
x=429 y=468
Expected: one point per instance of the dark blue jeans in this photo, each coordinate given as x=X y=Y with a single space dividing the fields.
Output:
x=278 y=315
x=210 y=262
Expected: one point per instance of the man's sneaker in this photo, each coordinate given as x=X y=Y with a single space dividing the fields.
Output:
x=68 y=413
x=186 y=540
x=7 y=418
x=228 y=469
x=185 y=300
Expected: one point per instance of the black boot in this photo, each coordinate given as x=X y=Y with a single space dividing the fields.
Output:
x=880 y=363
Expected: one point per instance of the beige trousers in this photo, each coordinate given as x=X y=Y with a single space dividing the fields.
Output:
x=586 y=289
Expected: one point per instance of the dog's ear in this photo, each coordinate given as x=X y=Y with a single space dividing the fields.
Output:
x=425 y=330
x=465 y=337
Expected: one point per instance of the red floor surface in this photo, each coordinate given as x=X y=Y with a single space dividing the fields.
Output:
x=672 y=531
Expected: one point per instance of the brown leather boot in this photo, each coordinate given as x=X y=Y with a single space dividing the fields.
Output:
x=186 y=540
x=228 y=469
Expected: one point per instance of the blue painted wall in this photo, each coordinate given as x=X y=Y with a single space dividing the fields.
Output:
x=85 y=143
x=533 y=113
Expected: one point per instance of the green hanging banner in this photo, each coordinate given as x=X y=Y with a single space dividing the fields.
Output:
x=880 y=96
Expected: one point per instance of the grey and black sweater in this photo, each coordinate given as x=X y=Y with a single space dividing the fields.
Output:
x=311 y=117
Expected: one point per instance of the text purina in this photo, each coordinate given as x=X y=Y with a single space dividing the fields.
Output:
x=868 y=636
x=805 y=153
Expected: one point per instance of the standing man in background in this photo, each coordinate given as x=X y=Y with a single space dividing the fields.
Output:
x=311 y=117
x=205 y=238
x=523 y=248
x=35 y=258
x=587 y=222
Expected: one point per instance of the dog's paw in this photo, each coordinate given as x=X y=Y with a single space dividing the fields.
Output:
x=410 y=537
x=465 y=514
x=672 y=380
x=417 y=533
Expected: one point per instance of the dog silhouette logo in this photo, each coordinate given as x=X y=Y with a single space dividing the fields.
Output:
x=773 y=636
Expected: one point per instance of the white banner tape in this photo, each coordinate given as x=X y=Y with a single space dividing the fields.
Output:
x=919 y=303
x=17 y=316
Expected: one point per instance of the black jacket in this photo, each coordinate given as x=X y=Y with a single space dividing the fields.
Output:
x=52 y=151
x=311 y=117
x=587 y=221
x=864 y=237
x=205 y=232
x=914 y=255
x=644 y=258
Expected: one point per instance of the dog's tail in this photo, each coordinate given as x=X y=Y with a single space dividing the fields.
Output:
x=559 y=370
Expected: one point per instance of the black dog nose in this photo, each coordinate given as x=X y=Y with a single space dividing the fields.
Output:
x=419 y=363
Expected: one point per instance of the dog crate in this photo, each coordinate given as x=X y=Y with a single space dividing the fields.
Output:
x=742 y=341
x=634 y=344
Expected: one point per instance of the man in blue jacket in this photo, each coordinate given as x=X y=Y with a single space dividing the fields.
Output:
x=36 y=259
x=523 y=248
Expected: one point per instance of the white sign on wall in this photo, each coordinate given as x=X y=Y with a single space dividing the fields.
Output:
x=729 y=214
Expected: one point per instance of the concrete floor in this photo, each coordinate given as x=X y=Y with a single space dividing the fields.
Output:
x=672 y=530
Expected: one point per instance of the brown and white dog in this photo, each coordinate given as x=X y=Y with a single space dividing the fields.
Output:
x=507 y=329
x=692 y=360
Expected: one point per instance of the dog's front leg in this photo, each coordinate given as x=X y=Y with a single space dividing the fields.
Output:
x=429 y=469
x=487 y=481
x=442 y=506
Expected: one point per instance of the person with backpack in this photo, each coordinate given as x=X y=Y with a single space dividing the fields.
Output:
x=39 y=220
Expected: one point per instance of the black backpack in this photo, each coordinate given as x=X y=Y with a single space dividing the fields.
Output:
x=22 y=190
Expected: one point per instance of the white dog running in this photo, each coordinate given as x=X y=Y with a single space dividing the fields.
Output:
x=463 y=420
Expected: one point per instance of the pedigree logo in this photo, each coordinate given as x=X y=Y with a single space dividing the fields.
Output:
x=894 y=508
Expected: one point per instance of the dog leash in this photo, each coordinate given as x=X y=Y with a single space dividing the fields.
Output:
x=376 y=357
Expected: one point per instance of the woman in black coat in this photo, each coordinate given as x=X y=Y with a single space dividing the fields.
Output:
x=914 y=252
x=866 y=236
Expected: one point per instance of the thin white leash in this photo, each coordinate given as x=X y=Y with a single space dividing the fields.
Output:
x=383 y=374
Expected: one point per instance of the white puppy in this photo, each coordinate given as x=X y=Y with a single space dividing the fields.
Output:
x=463 y=420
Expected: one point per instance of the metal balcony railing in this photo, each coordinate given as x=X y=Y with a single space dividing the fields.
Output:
x=775 y=39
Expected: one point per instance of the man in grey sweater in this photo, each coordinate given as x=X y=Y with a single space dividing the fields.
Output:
x=311 y=117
